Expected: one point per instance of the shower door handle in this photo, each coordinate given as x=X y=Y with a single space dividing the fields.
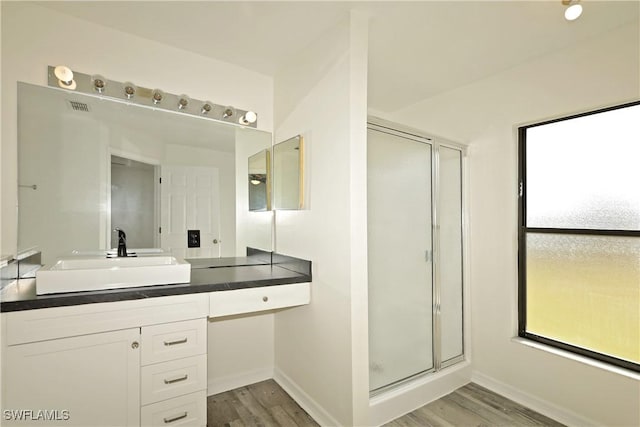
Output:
x=427 y=256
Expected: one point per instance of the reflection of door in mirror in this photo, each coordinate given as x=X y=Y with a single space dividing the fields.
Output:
x=133 y=202
x=190 y=199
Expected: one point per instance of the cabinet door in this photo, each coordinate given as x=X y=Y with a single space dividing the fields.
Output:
x=89 y=380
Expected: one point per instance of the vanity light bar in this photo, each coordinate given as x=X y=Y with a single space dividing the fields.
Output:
x=156 y=98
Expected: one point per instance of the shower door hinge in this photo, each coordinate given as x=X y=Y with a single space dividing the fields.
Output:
x=159 y=230
x=160 y=180
x=521 y=191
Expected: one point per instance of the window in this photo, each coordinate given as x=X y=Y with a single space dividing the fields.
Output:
x=579 y=234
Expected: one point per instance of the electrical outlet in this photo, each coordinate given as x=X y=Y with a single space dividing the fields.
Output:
x=193 y=238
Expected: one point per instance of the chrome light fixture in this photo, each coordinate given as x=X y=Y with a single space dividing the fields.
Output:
x=65 y=77
x=248 y=118
x=573 y=10
x=129 y=90
x=99 y=83
x=157 y=95
x=183 y=101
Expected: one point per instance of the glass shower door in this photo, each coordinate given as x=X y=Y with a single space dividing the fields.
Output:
x=400 y=257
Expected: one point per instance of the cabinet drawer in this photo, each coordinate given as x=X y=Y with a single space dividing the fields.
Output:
x=175 y=340
x=189 y=410
x=227 y=303
x=59 y=322
x=171 y=379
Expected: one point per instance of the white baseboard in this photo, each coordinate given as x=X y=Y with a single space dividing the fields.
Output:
x=229 y=382
x=317 y=412
x=544 y=407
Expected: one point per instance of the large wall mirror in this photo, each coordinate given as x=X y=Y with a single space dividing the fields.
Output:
x=87 y=165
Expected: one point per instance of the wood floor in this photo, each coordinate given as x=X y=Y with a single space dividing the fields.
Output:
x=266 y=404
x=261 y=404
x=473 y=405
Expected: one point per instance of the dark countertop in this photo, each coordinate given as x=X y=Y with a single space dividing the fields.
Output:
x=240 y=261
x=207 y=275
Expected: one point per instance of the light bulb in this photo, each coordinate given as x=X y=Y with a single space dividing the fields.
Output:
x=65 y=77
x=228 y=112
x=573 y=12
x=206 y=108
x=255 y=181
x=99 y=83
x=248 y=118
x=129 y=90
x=157 y=96
x=183 y=102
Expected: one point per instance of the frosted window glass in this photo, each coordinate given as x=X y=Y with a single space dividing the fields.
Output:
x=583 y=172
x=451 y=252
x=585 y=291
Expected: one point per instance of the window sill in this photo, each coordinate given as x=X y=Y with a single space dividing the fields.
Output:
x=577 y=358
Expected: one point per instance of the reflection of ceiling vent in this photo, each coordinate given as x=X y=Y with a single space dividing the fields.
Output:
x=79 y=106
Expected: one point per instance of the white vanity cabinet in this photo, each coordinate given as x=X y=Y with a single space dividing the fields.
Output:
x=107 y=364
x=126 y=363
x=76 y=381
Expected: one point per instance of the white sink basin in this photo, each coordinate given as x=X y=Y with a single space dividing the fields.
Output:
x=95 y=273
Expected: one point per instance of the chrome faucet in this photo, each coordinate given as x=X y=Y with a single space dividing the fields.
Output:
x=122 y=242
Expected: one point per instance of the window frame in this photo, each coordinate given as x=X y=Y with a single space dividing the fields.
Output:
x=523 y=230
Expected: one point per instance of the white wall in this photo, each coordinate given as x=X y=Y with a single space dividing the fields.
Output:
x=240 y=351
x=315 y=349
x=34 y=37
x=600 y=72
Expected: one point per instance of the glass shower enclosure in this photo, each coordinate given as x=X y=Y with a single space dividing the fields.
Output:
x=415 y=254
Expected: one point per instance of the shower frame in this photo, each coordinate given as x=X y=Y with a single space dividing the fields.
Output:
x=389 y=127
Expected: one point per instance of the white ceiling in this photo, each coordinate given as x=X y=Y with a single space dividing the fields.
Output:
x=417 y=49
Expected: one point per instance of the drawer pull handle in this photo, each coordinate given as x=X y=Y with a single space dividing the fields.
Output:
x=182 y=341
x=176 y=380
x=176 y=418
x=265 y=299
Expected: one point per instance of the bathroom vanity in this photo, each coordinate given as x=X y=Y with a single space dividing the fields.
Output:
x=135 y=356
x=76 y=351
